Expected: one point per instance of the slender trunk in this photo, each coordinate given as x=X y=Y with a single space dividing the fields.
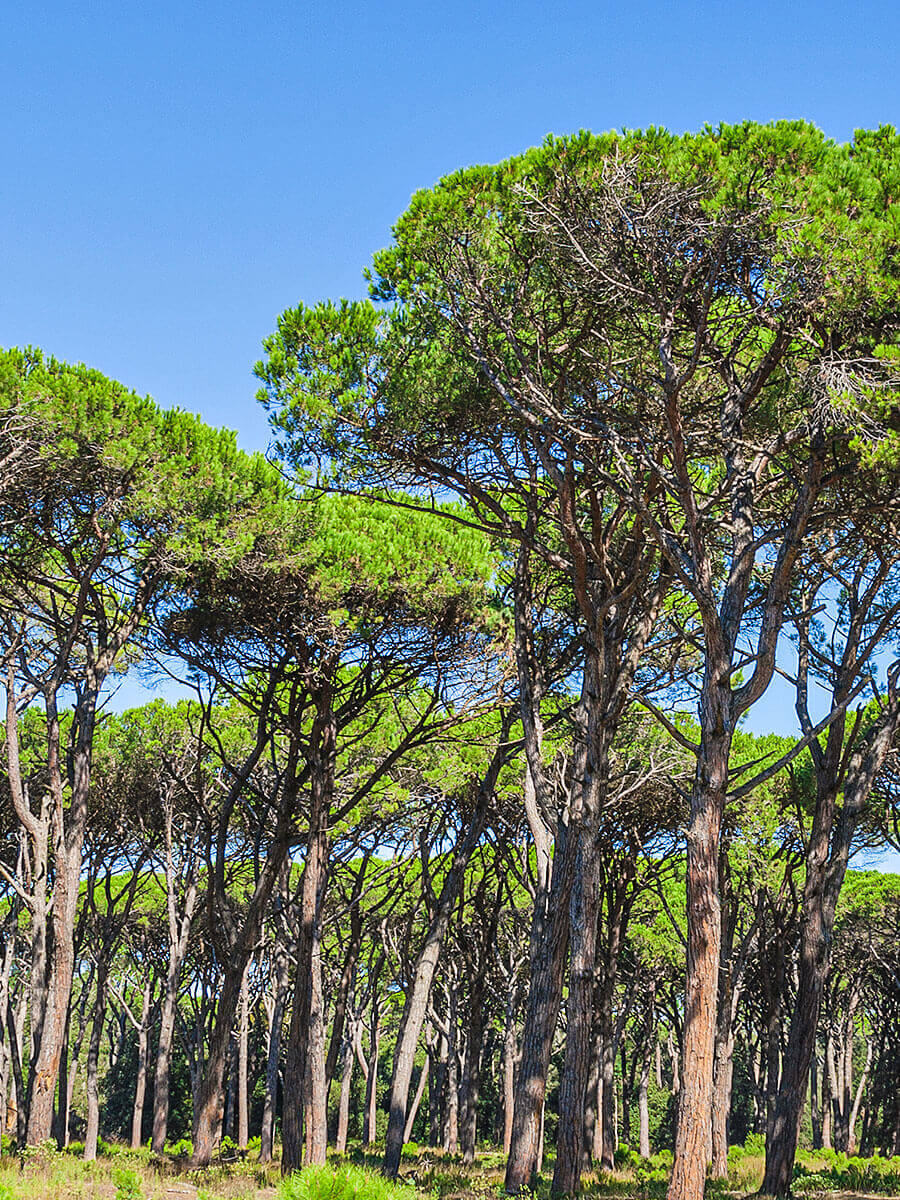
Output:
x=451 y=1112
x=509 y=1069
x=426 y=965
x=348 y=972
x=13 y=1033
x=179 y=933
x=827 y=855
x=243 y=1132
x=722 y=1083
x=860 y=1089
x=210 y=1108
x=417 y=1098
x=550 y=939
x=592 y=1138
x=814 y=1109
x=140 y=1084
x=827 y=1142
x=436 y=1091
x=267 y=1136
x=643 y=1103
x=315 y=1091
x=304 y=1076
x=371 y=1098
x=471 y=1077
x=343 y=1121
x=93 y=1061
x=69 y=822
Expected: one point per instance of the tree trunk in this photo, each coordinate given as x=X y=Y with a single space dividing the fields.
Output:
x=343 y=1121
x=93 y=1061
x=694 y=1131
x=267 y=1136
x=417 y=1098
x=140 y=1084
x=179 y=932
x=509 y=1070
x=643 y=1103
x=210 y=1108
x=550 y=938
x=304 y=1083
x=426 y=965
x=371 y=1098
x=243 y=1130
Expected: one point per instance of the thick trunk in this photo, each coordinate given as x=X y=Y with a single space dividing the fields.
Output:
x=693 y=1135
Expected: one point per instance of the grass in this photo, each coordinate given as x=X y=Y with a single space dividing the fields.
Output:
x=122 y=1174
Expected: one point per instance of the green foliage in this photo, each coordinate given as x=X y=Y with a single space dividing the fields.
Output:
x=128 y=1185
x=842 y=1173
x=346 y=1182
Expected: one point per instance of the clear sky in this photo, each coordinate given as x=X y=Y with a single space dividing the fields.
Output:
x=175 y=174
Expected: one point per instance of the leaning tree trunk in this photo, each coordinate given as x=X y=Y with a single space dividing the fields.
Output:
x=827 y=855
x=211 y=1093
x=426 y=964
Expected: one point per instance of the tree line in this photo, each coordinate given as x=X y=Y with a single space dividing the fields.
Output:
x=462 y=804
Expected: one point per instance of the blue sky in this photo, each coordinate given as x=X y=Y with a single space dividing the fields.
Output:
x=176 y=174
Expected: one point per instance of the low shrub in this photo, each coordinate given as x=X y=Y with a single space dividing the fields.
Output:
x=841 y=1173
x=346 y=1182
x=128 y=1185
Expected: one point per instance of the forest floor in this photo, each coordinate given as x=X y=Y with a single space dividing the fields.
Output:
x=121 y=1174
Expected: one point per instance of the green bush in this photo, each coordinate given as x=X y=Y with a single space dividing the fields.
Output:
x=128 y=1185
x=346 y=1182
x=183 y=1148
